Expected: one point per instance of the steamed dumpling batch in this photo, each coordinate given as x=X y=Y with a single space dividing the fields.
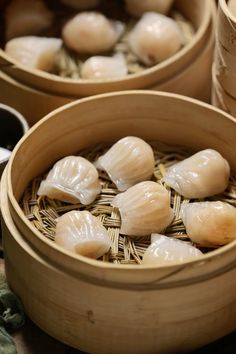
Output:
x=129 y=161
x=155 y=38
x=138 y=7
x=91 y=33
x=209 y=223
x=34 y=52
x=82 y=233
x=204 y=174
x=72 y=179
x=144 y=209
x=165 y=250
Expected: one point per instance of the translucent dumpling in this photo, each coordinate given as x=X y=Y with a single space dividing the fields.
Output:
x=100 y=67
x=202 y=175
x=209 y=223
x=82 y=233
x=155 y=38
x=91 y=33
x=166 y=250
x=144 y=209
x=72 y=179
x=139 y=7
x=129 y=161
x=34 y=52
x=26 y=17
x=81 y=4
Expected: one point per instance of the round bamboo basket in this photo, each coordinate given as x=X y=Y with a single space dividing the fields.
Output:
x=102 y=307
x=200 y=13
x=226 y=27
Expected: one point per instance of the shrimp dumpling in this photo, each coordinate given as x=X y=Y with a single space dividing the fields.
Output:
x=81 y=4
x=91 y=33
x=72 y=179
x=82 y=233
x=166 y=250
x=100 y=67
x=155 y=38
x=203 y=174
x=129 y=161
x=139 y=7
x=144 y=209
x=27 y=17
x=209 y=223
x=34 y=52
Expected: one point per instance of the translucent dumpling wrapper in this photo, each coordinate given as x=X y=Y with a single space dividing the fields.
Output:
x=82 y=233
x=4 y=154
x=101 y=67
x=203 y=174
x=91 y=33
x=209 y=223
x=139 y=7
x=34 y=52
x=166 y=250
x=129 y=161
x=81 y=4
x=155 y=38
x=144 y=209
x=27 y=17
x=72 y=179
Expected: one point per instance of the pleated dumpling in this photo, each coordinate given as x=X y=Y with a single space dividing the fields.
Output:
x=26 y=17
x=91 y=33
x=81 y=4
x=209 y=223
x=139 y=7
x=165 y=250
x=155 y=38
x=129 y=161
x=144 y=209
x=101 y=67
x=82 y=233
x=204 y=174
x=34 y=52
x=72 y=179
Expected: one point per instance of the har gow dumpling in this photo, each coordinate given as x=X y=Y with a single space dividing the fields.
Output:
x=34 y=52
x=209 y=223
x=72 y=179
x=203 y=174
x=165 y=250
x=81 y=4
x=144 y=209
x=91 y=33
x=139 y=7
x=100 y=67
x=129 y=161
x=155 y=38
x=82 y=233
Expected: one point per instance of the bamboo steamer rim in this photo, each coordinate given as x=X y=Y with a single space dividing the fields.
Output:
x=224 y=6
x=199 y=34
x=95 y=263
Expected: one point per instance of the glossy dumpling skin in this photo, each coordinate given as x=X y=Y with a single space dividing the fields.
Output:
x=72 y=179
x=129 y=161
x=209 y=223
x=155 y=38
x=167 y=250
x=139 y=7
x=34 y=52
x=26 y=17
x=101 y=67
x=91 y=33
x=204 y=174
x=82 y=233
x=144 y=209
x=81 y=4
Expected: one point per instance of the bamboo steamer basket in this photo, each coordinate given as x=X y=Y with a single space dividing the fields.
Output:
x=107 y=308
x=199 y=12
x=226 y=25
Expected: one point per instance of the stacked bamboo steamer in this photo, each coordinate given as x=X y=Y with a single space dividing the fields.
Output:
x=108 y=308
x=224 y=66
x=188 y=72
